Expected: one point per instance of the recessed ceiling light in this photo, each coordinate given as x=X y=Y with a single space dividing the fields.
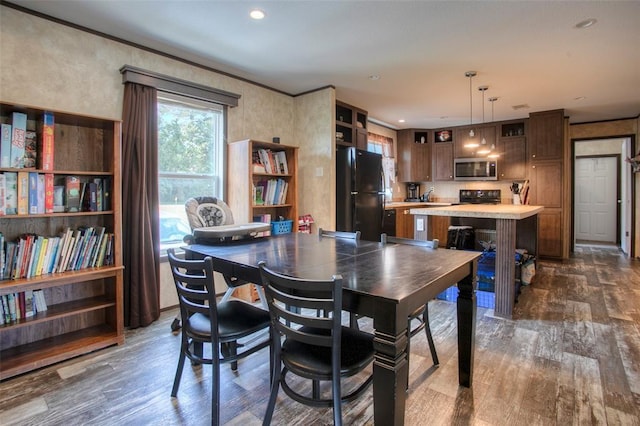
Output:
x=374 y=77
x=401 y=120
x=256 y=14
x=586 y=23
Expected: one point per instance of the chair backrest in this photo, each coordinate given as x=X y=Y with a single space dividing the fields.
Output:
x=195 y=287
x=207 y=211
x=384 y=239
x=294 y=303
x=339 y=234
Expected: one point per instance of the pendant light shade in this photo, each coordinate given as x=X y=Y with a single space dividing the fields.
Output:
x=470 y=75
x=483 y=89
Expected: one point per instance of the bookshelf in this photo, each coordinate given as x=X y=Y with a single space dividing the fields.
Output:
x=84 y=306
x=245 y=174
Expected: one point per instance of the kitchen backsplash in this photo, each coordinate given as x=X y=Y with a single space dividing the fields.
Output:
x=449 y=192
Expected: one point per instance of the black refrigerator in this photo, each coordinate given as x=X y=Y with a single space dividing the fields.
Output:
x=359 y=192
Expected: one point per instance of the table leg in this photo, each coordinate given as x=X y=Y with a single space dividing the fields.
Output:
x=466 y=327
x=390 y=367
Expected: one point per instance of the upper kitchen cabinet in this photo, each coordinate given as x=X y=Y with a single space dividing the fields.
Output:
x=512 y=146
x=442 y=164
x=414 y=156
x=351 y=126
x=466 y=145
x=546 y=136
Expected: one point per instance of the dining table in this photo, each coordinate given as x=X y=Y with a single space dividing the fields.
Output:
x=385 y=282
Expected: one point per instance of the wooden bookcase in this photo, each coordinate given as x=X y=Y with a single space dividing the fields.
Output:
x=242 y=179
x=85 y=307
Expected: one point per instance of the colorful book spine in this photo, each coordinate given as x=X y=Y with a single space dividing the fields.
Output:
x=46 y=142
x=72 y=192
x=33 y=193
x=11 y=192
x=3 y=196
x=30 y=149
x=23 y=193
x=48 y=193
x=19 y=130
x=5 y=145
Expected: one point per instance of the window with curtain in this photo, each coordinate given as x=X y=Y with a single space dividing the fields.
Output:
x=384 y=145
x=190 y=160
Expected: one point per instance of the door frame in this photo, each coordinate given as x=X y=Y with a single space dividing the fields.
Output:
x=632 y=203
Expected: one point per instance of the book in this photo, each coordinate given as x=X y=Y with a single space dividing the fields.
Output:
x=106 y=194
x=29 y=305
x=30 y=149
x=90 y=202
x=41 y=193
x=281 y=158
x=48 y=193
x=11 y=192
x=72 y=192
x=23 y=193
x=3 y=195
x=58 y=198
x=99 y=195
x=5 y=145
x=33 y=193
x=18 y=131
x=46 y=142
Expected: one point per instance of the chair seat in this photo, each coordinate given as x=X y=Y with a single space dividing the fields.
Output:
x=236 y=319
x=314 y=361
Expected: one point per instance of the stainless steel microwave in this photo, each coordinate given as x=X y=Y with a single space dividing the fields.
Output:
x=475 y=169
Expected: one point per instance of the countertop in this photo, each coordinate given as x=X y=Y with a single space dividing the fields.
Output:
x=492 y=211
x=413 y=204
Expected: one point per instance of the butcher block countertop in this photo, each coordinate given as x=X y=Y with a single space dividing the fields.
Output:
x=491 y=211
x=413 y=204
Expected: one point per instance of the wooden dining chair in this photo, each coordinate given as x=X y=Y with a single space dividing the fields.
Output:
x=204 y=320
x=317 y=348
x=422 y=313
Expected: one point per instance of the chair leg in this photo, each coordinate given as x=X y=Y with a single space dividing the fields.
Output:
x=427 y=329
x=337 y=397
x=315 y=389
x=408 y=352
x=233 y=351
x=176 y=380
x=215 y=390
x=353 y=321
x=276 y=376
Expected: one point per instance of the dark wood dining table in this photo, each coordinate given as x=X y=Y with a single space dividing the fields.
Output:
x=385 y=282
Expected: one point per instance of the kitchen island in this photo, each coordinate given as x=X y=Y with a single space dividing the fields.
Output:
x=398 y=220
x=507 y=217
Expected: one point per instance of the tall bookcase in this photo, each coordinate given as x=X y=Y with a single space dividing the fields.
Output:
x=243 y=177
x=84 y=306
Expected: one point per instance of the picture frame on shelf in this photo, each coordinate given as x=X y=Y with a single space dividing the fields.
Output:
x=443 y=136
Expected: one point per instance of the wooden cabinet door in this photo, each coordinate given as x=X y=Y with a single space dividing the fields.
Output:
x=439 y=229
x=443 y=161
x=550 y=233
x=512 y=163
x=461 y=139
x=404 y=223
x=361 y=139
x=546 y=135
x=414 y=156
x=546 y=184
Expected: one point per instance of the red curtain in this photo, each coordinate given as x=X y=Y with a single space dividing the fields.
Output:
x=140 y=239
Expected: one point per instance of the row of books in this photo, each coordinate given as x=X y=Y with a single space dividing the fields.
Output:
x=22 y=148
x=25 y=193
x=264 y=218
x=17 y=306
x=270 y=192
x=271 y=162
x=32 y=255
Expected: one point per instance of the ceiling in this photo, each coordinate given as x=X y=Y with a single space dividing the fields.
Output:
x=529 y=53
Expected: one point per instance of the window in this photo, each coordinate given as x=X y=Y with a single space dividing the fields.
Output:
x=190 y=160
x=383 y=145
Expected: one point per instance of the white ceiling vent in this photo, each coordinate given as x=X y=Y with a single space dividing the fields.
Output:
x=521 y=106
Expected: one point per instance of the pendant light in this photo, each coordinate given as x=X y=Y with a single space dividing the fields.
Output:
x=470 y=75
x=493 y=146
x=483 y=89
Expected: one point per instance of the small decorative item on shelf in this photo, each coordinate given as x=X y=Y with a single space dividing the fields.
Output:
x=304 y=223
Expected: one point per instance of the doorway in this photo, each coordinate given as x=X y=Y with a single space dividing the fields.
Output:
x=602 y=193
x=596 y=214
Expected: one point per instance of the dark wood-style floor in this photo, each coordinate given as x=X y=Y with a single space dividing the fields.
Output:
x=571 y=355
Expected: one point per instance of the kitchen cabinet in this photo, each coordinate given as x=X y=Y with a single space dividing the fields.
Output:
x=550 y=232
x=546 y=135
x=462 y=138
x=351 y=126
x=545 y=188
x=404 y=223
x=414 y=155
x=512 y=163
x=443 y=161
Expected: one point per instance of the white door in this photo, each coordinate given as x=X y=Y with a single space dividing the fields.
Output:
x=596 y=199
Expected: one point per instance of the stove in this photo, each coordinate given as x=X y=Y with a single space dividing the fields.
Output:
x=412 y=200
x=480 y=196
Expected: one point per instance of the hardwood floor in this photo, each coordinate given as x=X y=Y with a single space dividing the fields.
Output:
x=571 y=355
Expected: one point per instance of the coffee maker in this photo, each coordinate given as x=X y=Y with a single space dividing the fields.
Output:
x=413 y=192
